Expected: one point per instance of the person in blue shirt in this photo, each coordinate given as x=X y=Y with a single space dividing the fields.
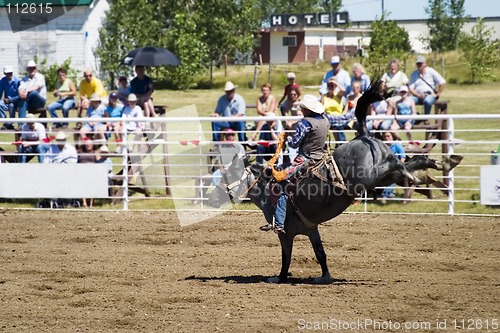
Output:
x=142 y=87
x=9 y=95
x=397 y=149
x=230 y=104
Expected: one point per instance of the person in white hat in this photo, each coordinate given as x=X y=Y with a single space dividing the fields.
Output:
x=89 y=86
x=32 y=90
x=129 y=112
x=341 y=76
x=96 y=110
x=291 y=84
x=230 y=104
x=309 y=138
x=426 y=84
x=9 y=95
x=32 y=141
x=61 y=151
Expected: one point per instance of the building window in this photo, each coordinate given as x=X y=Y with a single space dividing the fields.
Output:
x=290 y=41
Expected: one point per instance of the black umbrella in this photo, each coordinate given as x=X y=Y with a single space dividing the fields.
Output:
x=151 y=56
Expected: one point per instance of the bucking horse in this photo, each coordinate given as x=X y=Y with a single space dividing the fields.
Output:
x=324 y=190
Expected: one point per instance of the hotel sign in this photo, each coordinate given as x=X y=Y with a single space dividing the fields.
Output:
x=325 y=19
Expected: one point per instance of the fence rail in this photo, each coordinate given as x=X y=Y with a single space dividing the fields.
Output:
x=169 y=164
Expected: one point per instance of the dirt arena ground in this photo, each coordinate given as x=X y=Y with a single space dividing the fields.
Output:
x=64 y=271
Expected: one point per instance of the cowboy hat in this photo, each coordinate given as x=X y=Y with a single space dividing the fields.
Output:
x=95 y=98
x=229 y=86
x=132 y=98
x=61 y=136
x=311 y=103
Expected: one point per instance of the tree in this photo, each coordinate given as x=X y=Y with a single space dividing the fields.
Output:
x=388 y=40
x=479 y=51
x=445 y=22
x=196 y=31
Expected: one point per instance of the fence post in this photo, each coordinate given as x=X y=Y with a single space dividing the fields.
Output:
x=451 y=191
x=125 y=166
x=255 y=70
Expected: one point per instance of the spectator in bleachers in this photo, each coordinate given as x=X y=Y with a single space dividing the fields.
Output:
x=294 y=95
x=403 y=107
x=32 y=91
x=142 y=87
x=393 y=79
x=87 y=155
x=341 y=76
x=230 y=104
x=95 y=110
x=426 y=85
x=114 y=110
x=129 y=113
x=32 y=142
x=123 y=90
x=379 y=108
x=9 y=89
x=102 y=156
x=268 y=131
x=89 y=86
x=359 y=74
x=266 y=102
x=61 y=151
x=65 y=92
x=332 y=100
x=291 y=84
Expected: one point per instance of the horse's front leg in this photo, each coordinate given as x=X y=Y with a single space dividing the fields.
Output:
x=317 y=245
x=286 y=241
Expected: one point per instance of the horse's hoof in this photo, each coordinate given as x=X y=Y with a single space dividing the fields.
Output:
x=273 y=279
x=323 y=280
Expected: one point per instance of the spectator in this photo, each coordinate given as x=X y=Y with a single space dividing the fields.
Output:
x=102 y=156
x=359 y=74
x=9 y=88
x=114 y=110
x=61 y=151
x=227 y=150
x=378 y=109
x=32 y=91
x=269 y=131
x=32 y=141
x=65 y=92
x=294 y=96
x=87 y=155
x=397 y=149
x=426 y=85
x=350 y=106
x=95 y=110
x=89 y=86
x=230 y=104
x=129 y=113
x=403 y=107
x=291 y=84
x=123 y=90
x=142 y=87
x=393 y=79
x=332 y=100
x=266 y=102
x=341 y=76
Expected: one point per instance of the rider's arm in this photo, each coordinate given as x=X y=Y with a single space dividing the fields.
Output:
x=301 y=130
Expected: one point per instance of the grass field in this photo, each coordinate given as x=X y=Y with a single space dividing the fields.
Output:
x=464 y=99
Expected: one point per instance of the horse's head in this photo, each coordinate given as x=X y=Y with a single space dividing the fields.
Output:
x=235 y=176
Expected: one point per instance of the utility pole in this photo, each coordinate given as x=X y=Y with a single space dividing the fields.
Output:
x=382 y=8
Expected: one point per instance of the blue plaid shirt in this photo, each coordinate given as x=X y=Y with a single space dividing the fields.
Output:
x=337 y=121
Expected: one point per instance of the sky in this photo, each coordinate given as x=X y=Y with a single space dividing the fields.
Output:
x=361 y=10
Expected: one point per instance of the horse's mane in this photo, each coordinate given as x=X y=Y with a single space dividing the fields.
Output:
x=368 y=97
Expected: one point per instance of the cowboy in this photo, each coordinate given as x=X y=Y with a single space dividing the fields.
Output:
x=309 y=138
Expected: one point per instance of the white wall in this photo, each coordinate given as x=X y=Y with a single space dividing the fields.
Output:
x=279 y=53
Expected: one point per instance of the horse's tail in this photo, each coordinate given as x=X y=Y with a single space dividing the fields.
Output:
x=373 y=94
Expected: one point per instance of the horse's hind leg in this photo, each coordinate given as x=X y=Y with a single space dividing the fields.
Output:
x=286 y=241
x=317 y=245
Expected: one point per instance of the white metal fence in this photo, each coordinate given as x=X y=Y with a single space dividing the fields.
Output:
x=168 y=166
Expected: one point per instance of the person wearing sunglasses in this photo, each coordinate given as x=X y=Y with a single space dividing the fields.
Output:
x=89 y=86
